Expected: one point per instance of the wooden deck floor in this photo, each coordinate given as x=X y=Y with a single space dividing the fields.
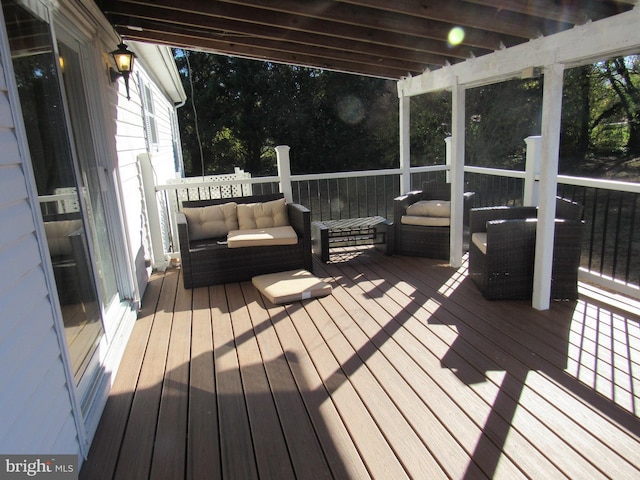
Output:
x=405 y=371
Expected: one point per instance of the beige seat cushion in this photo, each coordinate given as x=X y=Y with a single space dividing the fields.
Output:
x=425 y=221
x=262 y=215
x=260 y=237
x=430 y=208
x=213 y=221
x=479 y=239
x=290 y=286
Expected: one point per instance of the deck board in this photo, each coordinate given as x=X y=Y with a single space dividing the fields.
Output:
x=203 y=446
x=134 y=461
x=340 y=452
x=404 y=371
x=236 y=447
x=304 y=448
x=268 y=438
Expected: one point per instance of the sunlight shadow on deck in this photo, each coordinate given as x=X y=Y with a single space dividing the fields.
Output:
x=512 y=352
x=604 y=352
x=403 y=371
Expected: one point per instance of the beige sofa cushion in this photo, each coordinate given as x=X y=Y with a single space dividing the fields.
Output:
x=430 y=208
x=263 y=214
x=425 y=221
x=479 y=239
x=290 y=286
x=212 y=221
x=259 y=237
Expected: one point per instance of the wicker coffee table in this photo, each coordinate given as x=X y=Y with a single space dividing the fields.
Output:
x=348 y=232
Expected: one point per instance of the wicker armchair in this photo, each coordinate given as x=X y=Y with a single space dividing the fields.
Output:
x=421 y=240
x=502 y=251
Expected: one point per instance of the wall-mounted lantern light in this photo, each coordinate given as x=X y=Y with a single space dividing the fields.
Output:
x=124 y=63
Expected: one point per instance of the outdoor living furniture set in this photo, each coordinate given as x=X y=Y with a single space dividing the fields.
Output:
x=236 y=239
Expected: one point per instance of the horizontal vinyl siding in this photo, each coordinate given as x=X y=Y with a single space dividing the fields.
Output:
x=35 y=405
x=130 y=142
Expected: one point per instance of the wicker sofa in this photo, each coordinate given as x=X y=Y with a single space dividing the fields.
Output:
x=427 y=237
x=502 y=250
x=210 y=261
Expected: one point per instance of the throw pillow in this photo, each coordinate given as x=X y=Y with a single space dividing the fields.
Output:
x=263 y=214
x=212 y=221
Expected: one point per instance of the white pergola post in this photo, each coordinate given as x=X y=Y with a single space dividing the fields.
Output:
x=457 y=173
x=532 y=170
x=550 y=147
x=405 y=142
x=284 y=171
x=158 y=259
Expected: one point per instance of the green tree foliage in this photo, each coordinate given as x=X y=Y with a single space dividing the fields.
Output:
x=499 y=117
x=576 y=108
x=339 y=122
x=331 y=121
x=622 y=74
x=430 y=125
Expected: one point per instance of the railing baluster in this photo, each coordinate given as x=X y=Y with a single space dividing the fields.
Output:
x=604 y=232
x=632 y=228
x=616 y=242
x=593 y=228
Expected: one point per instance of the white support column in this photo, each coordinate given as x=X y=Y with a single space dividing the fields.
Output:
x=457 y=174
x=532 y=170
x=284 y=171
x=158 y=259
x=550 y=147
x=405 y=144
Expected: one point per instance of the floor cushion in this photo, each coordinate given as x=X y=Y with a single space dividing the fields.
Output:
x=290 y=286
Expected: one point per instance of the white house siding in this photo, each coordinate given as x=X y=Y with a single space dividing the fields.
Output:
x=35 y=404
x=166 y=161
x=130 y=143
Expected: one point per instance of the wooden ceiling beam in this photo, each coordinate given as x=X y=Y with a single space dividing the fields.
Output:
x=465 y=14
x=325 y=53
x=339 y=12
x=218 y=15
x=227 y=28
x=261 y=54
x=565 y=12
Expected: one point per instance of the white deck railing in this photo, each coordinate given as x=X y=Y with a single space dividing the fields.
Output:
x=610 y=252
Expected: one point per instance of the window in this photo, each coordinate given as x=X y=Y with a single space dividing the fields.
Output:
x=150 y=130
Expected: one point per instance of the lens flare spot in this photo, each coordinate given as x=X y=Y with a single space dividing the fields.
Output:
x=350 y=110
x=456 y=36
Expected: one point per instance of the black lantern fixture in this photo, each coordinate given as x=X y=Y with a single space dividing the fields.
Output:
x=124 y=63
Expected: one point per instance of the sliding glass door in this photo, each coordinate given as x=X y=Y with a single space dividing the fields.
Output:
x=74 y=192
